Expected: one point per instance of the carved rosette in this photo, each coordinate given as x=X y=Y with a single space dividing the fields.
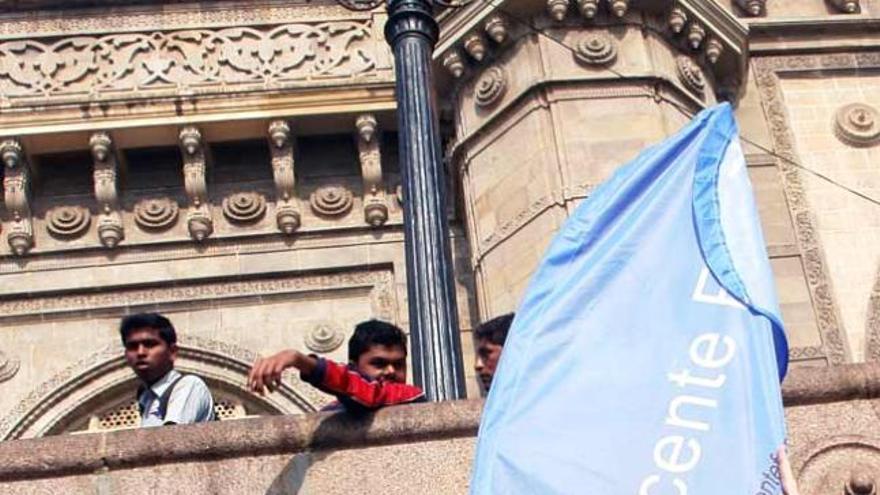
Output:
x=68 y=221
x=8 y=367
x=857 y=124
x=244 y=207
x=690 y=74
x=156 y=213
x=490 y=87
x=595 y=49
x=331 y=201
x=325 y=337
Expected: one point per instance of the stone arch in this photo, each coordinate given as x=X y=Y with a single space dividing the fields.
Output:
x=103 y=378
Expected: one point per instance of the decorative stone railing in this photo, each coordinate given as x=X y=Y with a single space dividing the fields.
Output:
x=404 y=449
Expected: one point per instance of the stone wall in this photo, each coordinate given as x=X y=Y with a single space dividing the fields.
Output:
x=424 y=448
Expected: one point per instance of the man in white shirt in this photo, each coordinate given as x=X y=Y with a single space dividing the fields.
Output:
x=165 y=395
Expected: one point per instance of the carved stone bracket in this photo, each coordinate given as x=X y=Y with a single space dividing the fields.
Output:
x=17 y=191
x=375 y=209
x=195 y=164
x=287 y=215
x=106 y=182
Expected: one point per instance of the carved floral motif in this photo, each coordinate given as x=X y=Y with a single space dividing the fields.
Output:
x=857 y=124
x=595 y=49
x=690 y=74
x=156 y=213
x=325 y=337
x=244 y=207
x=331 y=201
x=68 y=221
x=490 y=87
x=189 y=58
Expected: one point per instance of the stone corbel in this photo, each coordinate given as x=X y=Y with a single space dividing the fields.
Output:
x=287 y=215
x=16 y=186
x=375 y=209
x=754 y=8
x=195 y=165
x=847 y=6
x=106 y=181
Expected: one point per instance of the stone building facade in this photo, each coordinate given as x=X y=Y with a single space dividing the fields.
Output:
x=234 y=165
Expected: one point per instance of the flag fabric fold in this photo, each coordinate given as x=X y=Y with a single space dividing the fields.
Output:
x=647 y=353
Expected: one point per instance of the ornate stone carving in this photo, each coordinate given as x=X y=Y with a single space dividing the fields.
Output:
x=753 y=8
x=195 y=164
x=17 y=191
x=677 y=20
x=696 y=35
x=595 y=49
x=690 y=74
x=496 y=28
x=857 y=124
x=454 y=63
x=324 y=337
x=68 y=221
x=173 y=61
x=714 y=48
x=766 y=70
x=8 y=367
x=331 y=201
x=475 y=46
x=847 y=6
x=156 y=213
x=105 y=177
x=619 y=7
x=287 y=215
x=244 y=207
x=199 y=224
x=375 y=210
x=588 y=8
x=558 y=9
x=490 y=87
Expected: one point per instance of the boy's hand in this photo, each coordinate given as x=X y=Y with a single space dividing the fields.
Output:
x=266 y=372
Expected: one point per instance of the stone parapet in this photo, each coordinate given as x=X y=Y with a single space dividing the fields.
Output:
x=398 y=450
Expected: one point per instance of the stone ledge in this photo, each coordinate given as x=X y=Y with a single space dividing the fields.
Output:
x=89 y=453
x=67 y=455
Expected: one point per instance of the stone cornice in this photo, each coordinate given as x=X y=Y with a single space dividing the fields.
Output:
x=814 y=34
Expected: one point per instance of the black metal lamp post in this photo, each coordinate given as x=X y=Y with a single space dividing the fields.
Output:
x=412 y=32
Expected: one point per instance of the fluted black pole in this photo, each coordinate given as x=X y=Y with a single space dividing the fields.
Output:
x=436 y=344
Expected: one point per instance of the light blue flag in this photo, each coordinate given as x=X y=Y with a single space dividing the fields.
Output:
x=647 y=353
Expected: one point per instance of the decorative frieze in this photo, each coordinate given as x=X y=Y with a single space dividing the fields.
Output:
x=857 y=124
x=287 y=216
x=595 y=49
x=369 y=153
x=146 y=63
x=17 y=191
x=331 y=201
x=67 y=222
x=155 y=214
x=195 y=164
x=106 y=181
x=490 y=87
x=244 y=207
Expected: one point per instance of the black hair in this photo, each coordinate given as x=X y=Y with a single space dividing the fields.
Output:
x=148 y=320
x=374 y=332
x=495 y=330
